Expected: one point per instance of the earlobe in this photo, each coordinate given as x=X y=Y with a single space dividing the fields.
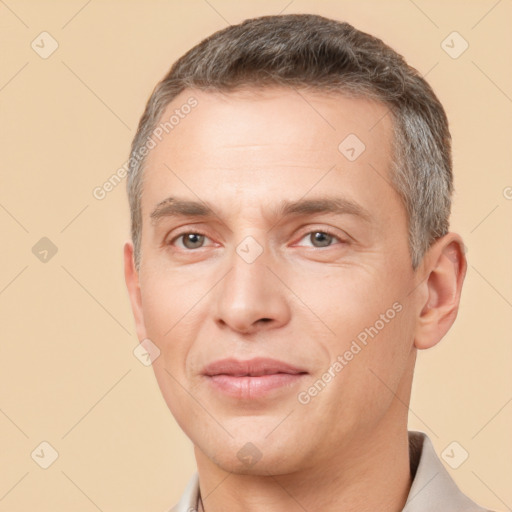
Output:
x=132 y=284
x=447 y=267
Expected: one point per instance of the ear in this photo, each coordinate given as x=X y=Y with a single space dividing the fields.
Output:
x=131 y=277
x=446 y=267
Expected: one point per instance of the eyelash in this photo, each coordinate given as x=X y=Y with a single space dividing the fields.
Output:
x=324 y=231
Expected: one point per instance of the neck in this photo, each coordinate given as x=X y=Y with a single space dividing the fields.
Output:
x=375 y=476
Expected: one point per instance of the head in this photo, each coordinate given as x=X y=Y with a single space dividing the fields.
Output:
x=290 y=186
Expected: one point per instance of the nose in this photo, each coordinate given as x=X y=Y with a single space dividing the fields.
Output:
x=251 y=298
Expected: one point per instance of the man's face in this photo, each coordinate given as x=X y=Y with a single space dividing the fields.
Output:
x=304 y=286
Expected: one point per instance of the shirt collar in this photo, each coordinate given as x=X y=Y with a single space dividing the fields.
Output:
x=432 y=488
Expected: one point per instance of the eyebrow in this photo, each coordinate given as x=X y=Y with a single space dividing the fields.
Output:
x=176 y=207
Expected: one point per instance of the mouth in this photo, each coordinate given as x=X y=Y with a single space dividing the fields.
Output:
x=254 y=378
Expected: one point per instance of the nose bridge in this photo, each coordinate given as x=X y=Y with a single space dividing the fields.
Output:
x=250 y=295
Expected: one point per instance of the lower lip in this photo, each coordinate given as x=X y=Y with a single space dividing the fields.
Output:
x=253 y=387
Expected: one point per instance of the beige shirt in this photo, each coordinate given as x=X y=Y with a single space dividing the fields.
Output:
x=432 y=489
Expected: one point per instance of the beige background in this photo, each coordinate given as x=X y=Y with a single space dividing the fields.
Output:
x=68 y=374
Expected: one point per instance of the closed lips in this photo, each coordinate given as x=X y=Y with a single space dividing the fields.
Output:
x=256 y=367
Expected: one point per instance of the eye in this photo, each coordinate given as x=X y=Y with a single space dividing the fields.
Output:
x=190 y=240
x=194 y=240
x=321 y=238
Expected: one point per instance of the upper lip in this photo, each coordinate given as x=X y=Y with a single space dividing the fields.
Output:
x=253 y=367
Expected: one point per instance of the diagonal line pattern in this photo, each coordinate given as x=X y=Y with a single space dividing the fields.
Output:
x=13 y=423
x=186 y=313
x=492 y=81
x=501 y=409
x=280 y=423
x=307 y=192
x=14 y=76
x=85 y=85
x=13 y=217
x=216 y=487
x=1 y=1
x=88 y=497
x=287 y=492
x=213 y=8
x=431 y=69
x=204 y=408
x=379 y=120
x=196 y=303
x=482 y=18
x=95 y=299
x=492 y=211
x=76 y=14
x=74 y=218
x=494 y=288
x=409 y=500
x=14 y=486
x=311 y=105
x=7 y=7
x=416 y=287
x=424 y=14
x=380 y=175
x=104 y=395
x=12 y=280
x=508 y=507
x=193 y=192
x=301 y=300
x=402 y=402
x=286 y=6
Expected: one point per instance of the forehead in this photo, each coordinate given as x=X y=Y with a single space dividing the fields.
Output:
x=270 y=143
x=314 y=119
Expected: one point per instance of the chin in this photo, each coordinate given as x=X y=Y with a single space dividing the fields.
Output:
x=258 y=458
x=261 y=468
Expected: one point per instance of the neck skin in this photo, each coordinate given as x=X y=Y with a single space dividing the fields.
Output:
x=374 y=475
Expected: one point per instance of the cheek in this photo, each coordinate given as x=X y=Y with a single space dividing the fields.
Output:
x=347 y=303
x=373 y=348
x=385 y=360
x=175 y=392
x=167 y=323
x=169 y=319
x=167 y=302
